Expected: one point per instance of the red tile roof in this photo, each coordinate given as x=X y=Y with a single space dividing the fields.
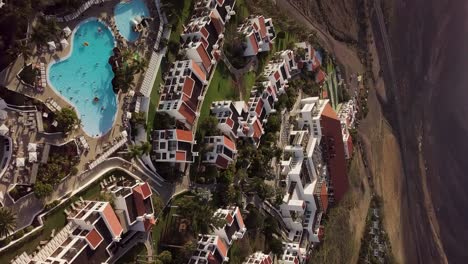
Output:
x=112 y=221
x=217 y=24
x=324 y=197
x=94 y=238
x=277 y=75
x=320 y=76
x=204 y=57
x=204 y=32
x=257 y=129
x=187 y=113
x=330 y=113
x=146 y=190
x=188 y=86
x=198 y=71
x=222 y=162
x=229 y=122
x=212 y=259
x=229 y=219
x=228 y=143
x=259 y=108
x=180 y=156
x=263 y=31
x=139 y=201
x=254 y=43
x=184 y=135
x=222 y=248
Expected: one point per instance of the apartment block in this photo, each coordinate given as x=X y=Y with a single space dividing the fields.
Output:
x=213 y=248
x=182 y=92
x=96 y=231
x=279 y=70
x=224 y=9
x=259 y=35
x=133 y=206
x=308 y=57
x=173 y=145
x=222 y=151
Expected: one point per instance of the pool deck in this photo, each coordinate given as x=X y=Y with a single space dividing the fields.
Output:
x=9 y=80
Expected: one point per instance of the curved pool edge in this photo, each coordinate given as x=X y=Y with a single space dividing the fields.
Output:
x=49 y=83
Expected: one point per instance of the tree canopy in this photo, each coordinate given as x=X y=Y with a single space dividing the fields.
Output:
x=7 y=222
x=66 y=119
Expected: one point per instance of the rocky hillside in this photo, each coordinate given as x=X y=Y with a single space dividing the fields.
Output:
x=339 y=17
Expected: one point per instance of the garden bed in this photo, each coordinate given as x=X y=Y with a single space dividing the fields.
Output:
x=19 y=191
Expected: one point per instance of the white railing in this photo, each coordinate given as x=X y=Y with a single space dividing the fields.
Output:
x=78 y=12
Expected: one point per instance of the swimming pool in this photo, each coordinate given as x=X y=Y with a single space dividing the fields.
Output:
x=86 y=74
x=125 y=13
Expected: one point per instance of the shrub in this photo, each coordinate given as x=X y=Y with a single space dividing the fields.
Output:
x=74 y=171
x=18 y=234
x=29 y=229
x=51 y=205
x=5 y=241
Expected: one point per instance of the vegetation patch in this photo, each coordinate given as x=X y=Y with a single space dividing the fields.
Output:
x=221 y=88
x=61 y=162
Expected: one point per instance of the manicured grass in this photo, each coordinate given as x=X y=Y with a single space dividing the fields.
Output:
x=154 y=99
x=131 y=255
x=221 y=88
x=55 y=220
x=248 y=82
x=282 y=43
x=332 y=84
x=164 y=222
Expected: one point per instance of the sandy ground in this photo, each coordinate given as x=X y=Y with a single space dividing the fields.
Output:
x=361 y=195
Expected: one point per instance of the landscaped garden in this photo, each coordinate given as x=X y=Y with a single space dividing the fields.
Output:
x=221 y=88
x=61 y=162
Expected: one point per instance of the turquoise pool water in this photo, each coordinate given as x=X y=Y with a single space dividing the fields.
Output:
x=86 y=74
x=125 y=12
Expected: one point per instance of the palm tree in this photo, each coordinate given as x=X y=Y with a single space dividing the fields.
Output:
x=23 y=50
x=139 y=65
x=146 y=148
x=7 y=222
x=126 y=81
x=135 y=152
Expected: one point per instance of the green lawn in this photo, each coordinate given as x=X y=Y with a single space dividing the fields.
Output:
x=221 y=88
x=248 y=82
x=332 y=84
x=55 y=220
x=154 y=99
x=164 y=221
x=131 y=255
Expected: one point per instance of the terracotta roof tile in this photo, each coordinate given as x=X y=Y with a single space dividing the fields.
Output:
x=254 y=43
x=257 y=129
x=324 y=197
x=94 y=238
x=198 y=71
x=229 y=219
x=184 y=135
x=204 y=56
x=320 y=76
x=187 y=113
x=222 y=162
x=180 y=156
x=222 y=248
x=217 y=24
x=229 y=122
x=277 y=75
x=259 y=108
x=188 y=86
x=263 y=31
x=204 y=32
x=112 y=221
x=228 y=143
x=139 y=201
